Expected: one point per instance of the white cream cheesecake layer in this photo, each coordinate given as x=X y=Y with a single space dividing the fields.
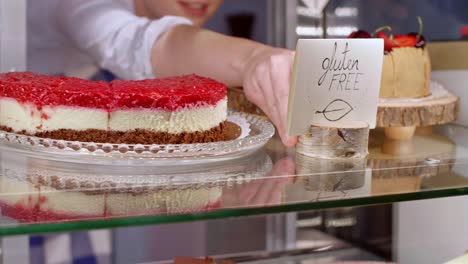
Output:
x=19 y=193
x=185 y=120
x=73 y=117
x=71 y=203
x=189 y=201
x=19 y=116
x=46 y=199
x=26 y=116
x=176 y=201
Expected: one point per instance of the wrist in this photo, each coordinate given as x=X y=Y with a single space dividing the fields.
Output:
x=245 y=62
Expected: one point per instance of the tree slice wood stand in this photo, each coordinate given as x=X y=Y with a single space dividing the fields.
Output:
x=401 y=117
x=347 y=141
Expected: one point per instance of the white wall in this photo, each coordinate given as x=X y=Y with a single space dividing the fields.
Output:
x=431 y=231
x=456 y=81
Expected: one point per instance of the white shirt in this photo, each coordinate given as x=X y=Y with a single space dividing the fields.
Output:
x=66 y=36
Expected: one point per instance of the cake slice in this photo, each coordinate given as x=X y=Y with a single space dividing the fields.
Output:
x=20 y=102
x=76 y=110
x=53 y=106
x=184 y=109
x=187 y=109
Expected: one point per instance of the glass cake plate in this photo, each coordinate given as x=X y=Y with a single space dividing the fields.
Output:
x=255 y=133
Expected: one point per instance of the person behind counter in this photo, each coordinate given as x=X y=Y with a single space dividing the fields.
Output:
x=140 y=39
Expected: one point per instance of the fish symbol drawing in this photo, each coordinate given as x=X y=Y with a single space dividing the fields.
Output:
x=336 y=110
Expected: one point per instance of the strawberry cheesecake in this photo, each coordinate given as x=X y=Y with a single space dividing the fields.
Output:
x=184 y=109
x=406 y=71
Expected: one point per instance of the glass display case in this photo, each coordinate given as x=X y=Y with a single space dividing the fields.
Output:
x=40 y=195
x=406 y=202
x=45 y=194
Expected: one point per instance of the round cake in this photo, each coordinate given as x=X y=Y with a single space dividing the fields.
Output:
x=406 y=70
x=406 y=73
x=183 y=109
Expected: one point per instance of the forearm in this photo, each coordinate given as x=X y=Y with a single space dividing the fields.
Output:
x=187 y=50
x=263 y=71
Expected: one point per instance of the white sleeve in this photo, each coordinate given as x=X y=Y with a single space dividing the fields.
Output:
x=118 y=40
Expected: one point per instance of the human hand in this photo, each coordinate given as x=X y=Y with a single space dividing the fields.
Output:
x=266 y=81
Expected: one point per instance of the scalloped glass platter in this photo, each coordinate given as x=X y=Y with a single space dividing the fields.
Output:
x=255 y=133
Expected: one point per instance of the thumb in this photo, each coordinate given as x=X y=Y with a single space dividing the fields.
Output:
x=289 y=141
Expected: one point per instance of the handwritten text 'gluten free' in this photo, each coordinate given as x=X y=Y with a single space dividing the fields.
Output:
x=333 y=81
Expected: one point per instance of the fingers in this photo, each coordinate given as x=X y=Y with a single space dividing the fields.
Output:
x=288 y=141
x=279 y=93
x=280 y=72
x=267 y=86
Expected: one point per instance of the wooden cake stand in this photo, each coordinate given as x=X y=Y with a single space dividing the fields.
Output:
x=400 y=117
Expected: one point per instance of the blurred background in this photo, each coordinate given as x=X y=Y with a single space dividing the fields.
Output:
x=282 y=22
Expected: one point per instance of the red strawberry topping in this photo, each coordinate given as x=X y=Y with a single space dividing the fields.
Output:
x=168 y=93
x=405 y=41
x=389 y=43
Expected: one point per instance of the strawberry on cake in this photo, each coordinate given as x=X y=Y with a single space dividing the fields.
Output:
x=184 y=109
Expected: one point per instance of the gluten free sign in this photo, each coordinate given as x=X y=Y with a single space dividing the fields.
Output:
x=334 y=81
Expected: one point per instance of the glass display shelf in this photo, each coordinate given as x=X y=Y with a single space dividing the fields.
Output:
x=40 y=195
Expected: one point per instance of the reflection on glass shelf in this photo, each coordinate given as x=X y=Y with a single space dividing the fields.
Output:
x=68 y=195
x=36 y=190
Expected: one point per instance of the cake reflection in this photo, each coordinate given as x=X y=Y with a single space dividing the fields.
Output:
x=38 y=190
